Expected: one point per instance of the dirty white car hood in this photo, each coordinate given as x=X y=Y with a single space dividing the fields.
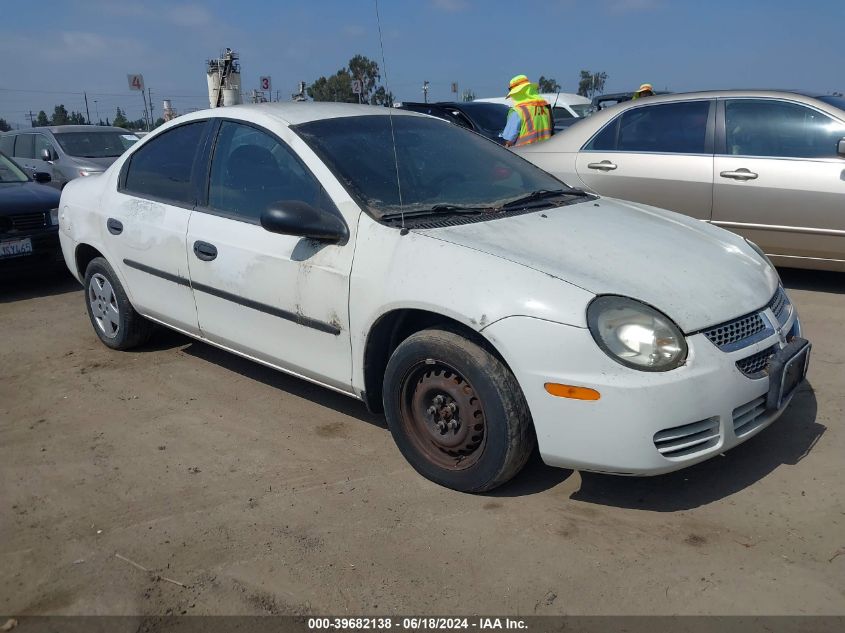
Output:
x=697 y=274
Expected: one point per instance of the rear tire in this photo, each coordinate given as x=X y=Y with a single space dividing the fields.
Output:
x=115 y=321
x=456 y=412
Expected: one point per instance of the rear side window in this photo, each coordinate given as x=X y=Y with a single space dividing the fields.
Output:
x=25 y=146
x=765 y=127
x=668 y=128
x=252 y=169
x=162 y=168
x=7 y=144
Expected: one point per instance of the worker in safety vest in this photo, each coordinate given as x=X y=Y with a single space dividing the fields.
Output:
x=530 y=119
x=646 y=90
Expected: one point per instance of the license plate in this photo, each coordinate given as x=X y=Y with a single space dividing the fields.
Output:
x=786 y=371
x=16 y=248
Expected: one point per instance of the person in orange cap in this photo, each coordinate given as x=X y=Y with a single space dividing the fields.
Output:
x=645 y=90
x=530 y=118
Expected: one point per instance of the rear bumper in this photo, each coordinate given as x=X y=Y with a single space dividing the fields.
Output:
x=645 y=423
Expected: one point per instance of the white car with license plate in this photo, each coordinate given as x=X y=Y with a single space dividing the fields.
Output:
x=414 y=265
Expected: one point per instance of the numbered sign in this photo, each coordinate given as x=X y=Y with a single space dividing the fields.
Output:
x=356 y=86
x=136 y=82
x=265 y=83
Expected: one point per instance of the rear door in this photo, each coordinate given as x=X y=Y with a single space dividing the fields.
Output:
x=779 y=180
x=659 y=154
x=145 y=223
x=24 y=152
x=280 y=299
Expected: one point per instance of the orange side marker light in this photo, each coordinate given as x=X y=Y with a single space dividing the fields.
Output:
x=570 y=391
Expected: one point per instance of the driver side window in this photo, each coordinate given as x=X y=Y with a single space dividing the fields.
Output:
x=251 y=170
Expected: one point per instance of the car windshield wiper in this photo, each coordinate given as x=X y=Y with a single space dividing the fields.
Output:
x=438 y=209
x=540 y=194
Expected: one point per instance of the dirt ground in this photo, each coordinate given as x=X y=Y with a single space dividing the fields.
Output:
x=259 y=493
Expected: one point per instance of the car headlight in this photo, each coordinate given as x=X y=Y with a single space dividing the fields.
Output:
x=635 y=334
x=54 y=216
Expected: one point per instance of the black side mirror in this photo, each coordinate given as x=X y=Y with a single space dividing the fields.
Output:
x=42 y=177
x=292 y=217
x=840 y=147
x=46 y=154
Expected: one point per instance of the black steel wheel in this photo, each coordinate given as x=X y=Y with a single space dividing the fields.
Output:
x=456 y=411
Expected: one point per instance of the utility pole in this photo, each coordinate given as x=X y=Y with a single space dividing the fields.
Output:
x=31 y=124
x=87 y=114
x=97 y=109
x=425 y=91
x=150 y=99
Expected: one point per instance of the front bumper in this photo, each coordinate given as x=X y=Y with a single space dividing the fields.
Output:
x=645 y=423
x=46 y=252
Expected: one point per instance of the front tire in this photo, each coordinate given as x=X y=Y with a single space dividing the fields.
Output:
x=115 y=321
x=456 y=412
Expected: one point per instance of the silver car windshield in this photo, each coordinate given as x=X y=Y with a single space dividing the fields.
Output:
x=95 y=144
x=440 y=166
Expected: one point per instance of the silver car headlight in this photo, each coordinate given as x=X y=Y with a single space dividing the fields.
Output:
x=635 y=334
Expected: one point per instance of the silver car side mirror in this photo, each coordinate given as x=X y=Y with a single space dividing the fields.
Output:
x=46 y=154
x=840 y=147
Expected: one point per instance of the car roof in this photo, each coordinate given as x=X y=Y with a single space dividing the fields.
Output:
x=64 y=129
x=295 y=113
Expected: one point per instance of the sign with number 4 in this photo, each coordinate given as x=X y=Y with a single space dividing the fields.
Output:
x=136 y=82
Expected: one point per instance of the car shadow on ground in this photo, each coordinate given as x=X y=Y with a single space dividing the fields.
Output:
x=816 y=280
x=37 y=284
x=786 y=442
x=278 y=380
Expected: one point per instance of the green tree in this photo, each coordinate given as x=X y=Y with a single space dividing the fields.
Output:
x=119 y=118
x=4 y=127
x=548 y=85
x=159 y=121
x=60 y=116
x=338 y=87
x=468 y=95
x=41 y=120
x=77 y=118
x=591 y=84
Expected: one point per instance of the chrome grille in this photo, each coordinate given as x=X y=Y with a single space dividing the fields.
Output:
x=747 y=417
x=25 y=221
x=780 y=305
x=735 y=331
x=681 y=441
x=754 y=365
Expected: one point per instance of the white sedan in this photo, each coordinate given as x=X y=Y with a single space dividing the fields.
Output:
x=477 y=300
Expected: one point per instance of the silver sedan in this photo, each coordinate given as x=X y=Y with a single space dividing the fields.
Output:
x=768 y=165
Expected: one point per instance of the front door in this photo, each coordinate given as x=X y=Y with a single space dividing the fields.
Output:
x=657 y=154
x=779 y=181
x=280 y=299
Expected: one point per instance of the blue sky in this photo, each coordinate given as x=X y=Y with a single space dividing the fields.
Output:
x=90 y=45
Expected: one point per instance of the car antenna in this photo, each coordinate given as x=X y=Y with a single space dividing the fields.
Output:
x=404 y=231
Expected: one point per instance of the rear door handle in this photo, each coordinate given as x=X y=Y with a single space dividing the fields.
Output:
x=604 y=165
x=205 y=251
x=740 y=174
x=115 y=227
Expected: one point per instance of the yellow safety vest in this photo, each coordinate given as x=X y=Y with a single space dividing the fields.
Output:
x=536 y=123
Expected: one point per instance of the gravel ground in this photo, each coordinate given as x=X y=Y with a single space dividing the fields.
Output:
x=181 y=479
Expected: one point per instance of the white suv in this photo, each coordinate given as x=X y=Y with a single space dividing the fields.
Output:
x=416 y=266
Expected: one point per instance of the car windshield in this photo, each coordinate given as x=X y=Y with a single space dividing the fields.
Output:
x=490 y=117
x=440 y=166
x=834 y=100
x=582 y=109
x=95 y=144
x=9 y=172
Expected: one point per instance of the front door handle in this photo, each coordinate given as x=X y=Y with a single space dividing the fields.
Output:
x=115 y=227
x=604 y=165
x=740 y=174
x=205 y=251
